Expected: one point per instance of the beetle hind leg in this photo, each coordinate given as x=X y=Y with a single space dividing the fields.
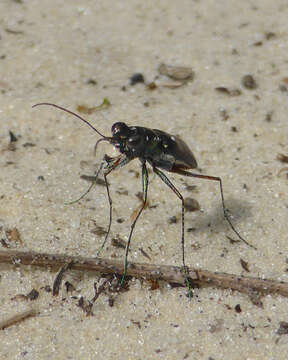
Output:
x=165 y=179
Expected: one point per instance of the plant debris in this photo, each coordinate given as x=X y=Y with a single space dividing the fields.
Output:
x=283 y=328
x=59 y=278
x=13 y=235
x=33 y=295
x=93 y=179
x=282 y=158
x=191 y=204
x=144 y=253
x=172 y=220
x=231 y=92
x=83 y=109
x=17 y=318
x=244 y=265
x=181 y=73
x=248 y=82
x=118 y=242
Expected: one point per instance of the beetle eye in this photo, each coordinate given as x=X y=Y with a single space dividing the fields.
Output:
x=119 y=128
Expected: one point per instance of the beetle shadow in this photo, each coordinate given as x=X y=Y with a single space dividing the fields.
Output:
x=237 y=210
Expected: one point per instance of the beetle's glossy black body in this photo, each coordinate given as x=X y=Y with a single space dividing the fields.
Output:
x=163 y=152
x=157 y=147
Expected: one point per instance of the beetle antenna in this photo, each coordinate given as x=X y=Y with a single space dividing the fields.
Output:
x=72 y=113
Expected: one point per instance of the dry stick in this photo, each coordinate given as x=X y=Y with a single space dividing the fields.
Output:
x=174 y=274
x=59 y=278
x=17 y=318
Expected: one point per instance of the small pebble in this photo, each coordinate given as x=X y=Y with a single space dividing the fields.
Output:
x=248 y=82
x=191 y=204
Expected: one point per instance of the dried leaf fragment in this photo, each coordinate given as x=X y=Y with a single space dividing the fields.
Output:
x=13 y=235
x=181 y=73
x=89 y=110
x=283 y=328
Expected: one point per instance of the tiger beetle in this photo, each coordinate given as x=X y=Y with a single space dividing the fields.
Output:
x=161 y=151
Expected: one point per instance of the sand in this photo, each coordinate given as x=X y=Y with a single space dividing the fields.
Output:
x=78 y=53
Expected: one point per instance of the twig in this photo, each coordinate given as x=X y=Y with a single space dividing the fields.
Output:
x=173 y=274
x=17 y=318
x=59 y=278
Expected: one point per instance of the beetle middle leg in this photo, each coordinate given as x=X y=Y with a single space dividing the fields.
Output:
x=226 y=216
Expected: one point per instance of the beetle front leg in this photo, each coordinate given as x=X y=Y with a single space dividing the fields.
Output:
x=145 y=182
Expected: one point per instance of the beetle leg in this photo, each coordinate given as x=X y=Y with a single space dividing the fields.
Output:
x=145 y=182
x=165 y=179
x=226 y=216
x=90 y=187
x=111 y=164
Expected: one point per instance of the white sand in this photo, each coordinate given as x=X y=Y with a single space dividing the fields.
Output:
x=59 y=47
